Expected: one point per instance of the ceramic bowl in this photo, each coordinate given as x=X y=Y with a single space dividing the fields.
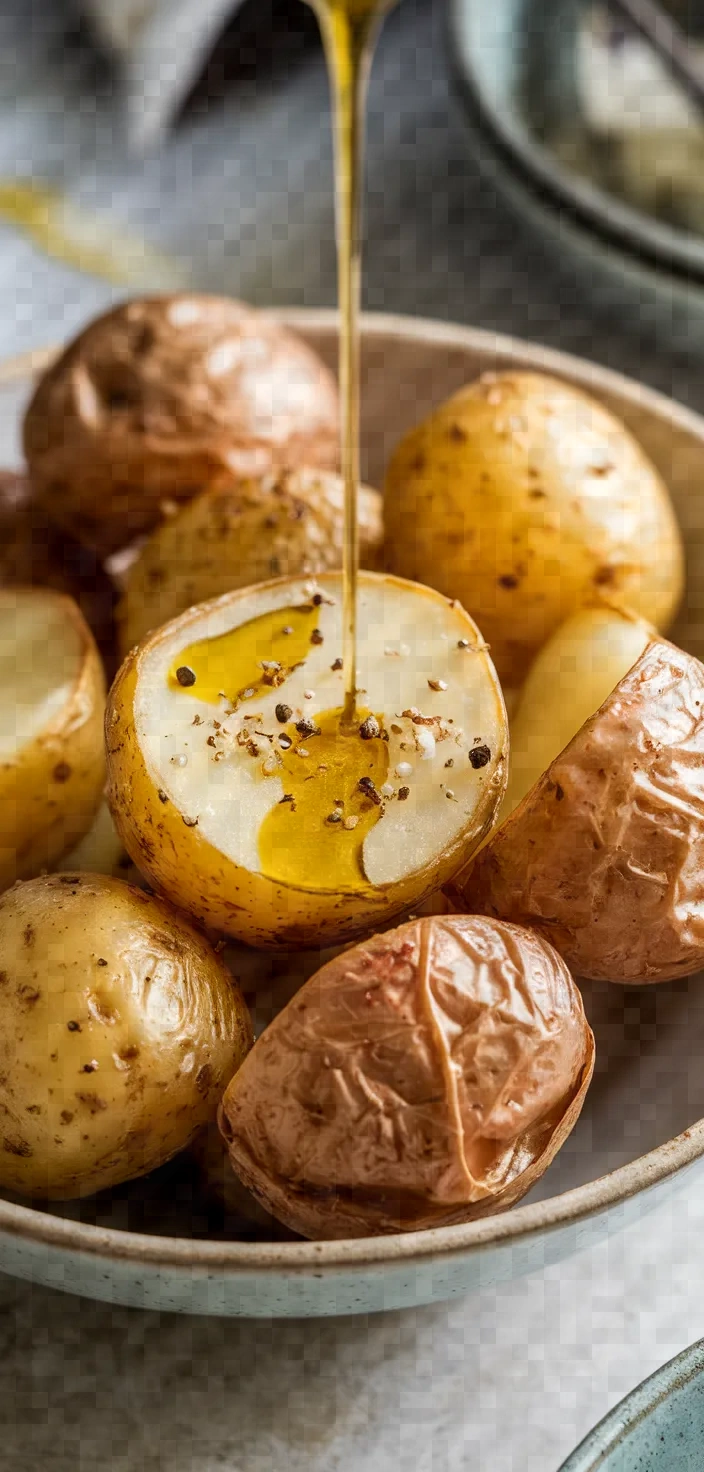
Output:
x=659 y=1427
x=153 y=1244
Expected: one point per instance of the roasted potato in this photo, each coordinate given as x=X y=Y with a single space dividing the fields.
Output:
x=524 y=498
x=240 y=532
x=604 y=856
x=159 y=395
x=235 y=793
x=35 y=554
x=424 y=1078
x=52 y=758
x=121 y=1027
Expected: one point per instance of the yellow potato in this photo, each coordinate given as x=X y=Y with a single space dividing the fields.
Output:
x=604 y=853
x=239 y=532
x=524 y=498
x=120 y=1029
x=235 y=794
x=52 y=760
x=568 y=681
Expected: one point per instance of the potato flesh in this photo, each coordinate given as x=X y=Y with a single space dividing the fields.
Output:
x=408 y=638
x=40 y=657
x=570 y=679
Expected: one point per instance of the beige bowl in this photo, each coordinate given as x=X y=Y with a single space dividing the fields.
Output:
x=154 y=1245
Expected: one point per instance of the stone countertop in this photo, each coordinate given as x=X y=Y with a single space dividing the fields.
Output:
x=509 y=1380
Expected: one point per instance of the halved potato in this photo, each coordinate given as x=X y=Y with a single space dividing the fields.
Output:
x=524 y=497
x=159 y=394
x=235 y=792
x=604 y=855
x=239 y=532
x=121 y=1027
x=426 y=1077
x=52 y=761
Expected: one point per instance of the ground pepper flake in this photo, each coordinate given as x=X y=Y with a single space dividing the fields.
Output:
x=479 y=756
x=283 y=714
x=185 y=675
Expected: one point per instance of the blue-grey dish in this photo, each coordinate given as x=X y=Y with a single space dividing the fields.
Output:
x=659 y=1427
x=514 y=65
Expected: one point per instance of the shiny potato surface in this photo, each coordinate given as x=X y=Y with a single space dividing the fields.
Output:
x=120 y=1029
x=524 y=498
x=239 y=532
x=426 y=1077
x=154 y=398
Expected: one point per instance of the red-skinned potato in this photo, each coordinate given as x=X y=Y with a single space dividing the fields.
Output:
x=605 y=854
x=424 y=1078
x=154 y=398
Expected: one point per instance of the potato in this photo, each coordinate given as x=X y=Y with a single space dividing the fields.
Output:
x=524 y=498
x=160 y=394
x=604 y=856
x=235 y=793
x=52 y=759
x=121 y=1027
x=240 y=532
x=34 y=553
x=425 y=1078
x=569 y=680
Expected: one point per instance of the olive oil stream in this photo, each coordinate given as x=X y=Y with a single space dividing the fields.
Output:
x=313 y=838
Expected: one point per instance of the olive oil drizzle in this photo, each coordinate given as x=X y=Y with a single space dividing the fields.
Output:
x=349 y=29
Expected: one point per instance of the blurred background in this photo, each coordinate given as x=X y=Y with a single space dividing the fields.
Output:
x=145 y=143
x=156 y=142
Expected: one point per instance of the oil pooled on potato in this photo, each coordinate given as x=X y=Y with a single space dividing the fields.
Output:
x=314 y=838
x=241 y=664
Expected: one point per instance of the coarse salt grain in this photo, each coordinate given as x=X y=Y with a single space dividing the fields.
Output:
x=180 y=761
x=403 y=769
x=425 y=742
x=387 y=789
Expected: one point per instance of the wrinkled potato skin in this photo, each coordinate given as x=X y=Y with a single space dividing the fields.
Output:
x=396 y=1120
x=51 y=791
x=240 y=532
x=605 y=855
x=121 y=1027
x=159 y=395
x=247 y=906
x=524 y=498
x=35 y=554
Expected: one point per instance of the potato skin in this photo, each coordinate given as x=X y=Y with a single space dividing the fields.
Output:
x=121 y=1027
x=239 y=532
x=605 y=855
x=524 y=498
x=35 y=554
x=154 y=398
x=51 y=790
x=192 y=873
x=424 y=1078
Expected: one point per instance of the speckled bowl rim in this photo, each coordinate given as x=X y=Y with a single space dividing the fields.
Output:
x=619 y=1425
x=412 y=1248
